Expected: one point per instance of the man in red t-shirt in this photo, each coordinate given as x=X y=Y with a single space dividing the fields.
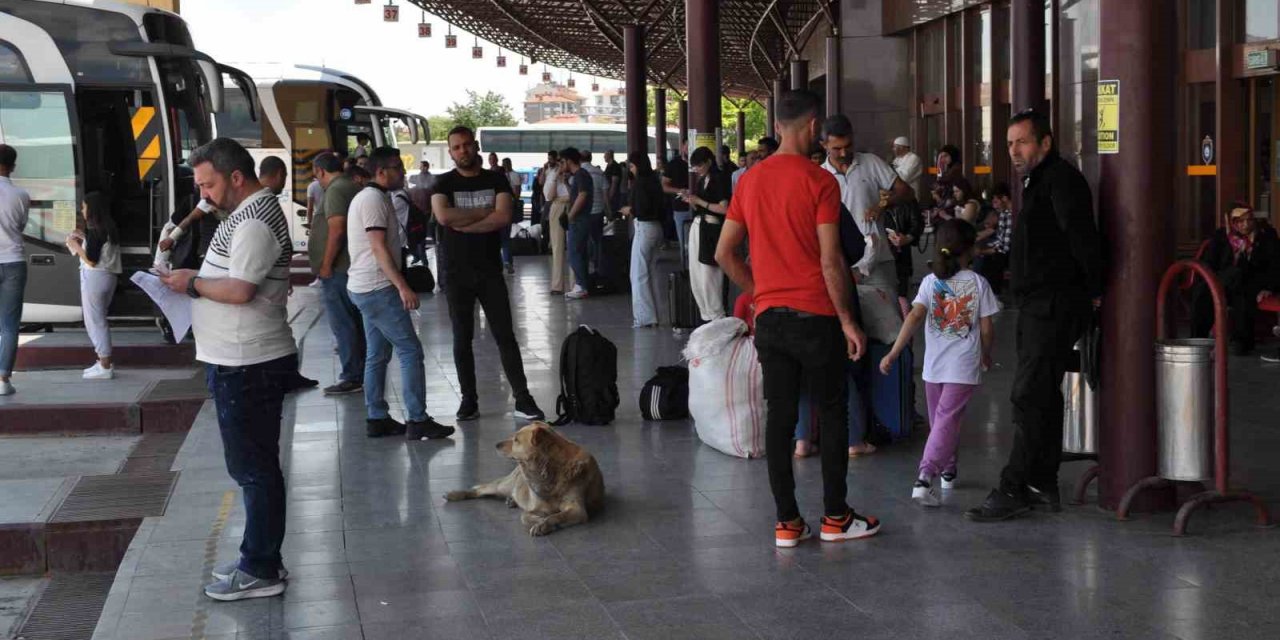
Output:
x=790 y=210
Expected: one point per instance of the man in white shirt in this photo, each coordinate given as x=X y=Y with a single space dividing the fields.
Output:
x=14 y=207
x=862 y=178
x=315 y=198
x=380 y=292
x=243 y=337
x=907 y=163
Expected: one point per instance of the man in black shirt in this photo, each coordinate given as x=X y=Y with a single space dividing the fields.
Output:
x=675 y=181
x=473 y=206
x=1057 y=268
x=613 y=175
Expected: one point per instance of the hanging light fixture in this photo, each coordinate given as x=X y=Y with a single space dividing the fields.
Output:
x=502 y=60
x=391 y=12
x=424 y=27
x=524 y=68
x=477 y=52
x=450 y=40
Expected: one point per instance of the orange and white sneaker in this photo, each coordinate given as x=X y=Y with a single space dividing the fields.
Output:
x=787 y=535
x=851 y=527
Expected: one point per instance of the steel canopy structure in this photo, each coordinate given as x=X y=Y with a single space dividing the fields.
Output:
x=757 y=37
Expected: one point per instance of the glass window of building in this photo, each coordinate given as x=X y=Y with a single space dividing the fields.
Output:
x=1261 y=20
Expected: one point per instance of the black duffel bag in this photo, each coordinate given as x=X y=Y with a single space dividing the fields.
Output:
x=666 y=395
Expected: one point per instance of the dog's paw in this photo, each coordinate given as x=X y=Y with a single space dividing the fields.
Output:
x=455 y=496
x=541 y=528
x=511 y=503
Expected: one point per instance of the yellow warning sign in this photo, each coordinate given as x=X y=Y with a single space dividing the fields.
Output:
x=1108 y=116
x=705 y=139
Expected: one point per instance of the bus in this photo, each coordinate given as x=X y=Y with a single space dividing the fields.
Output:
x=527 y=145
x=303 y=111
x=106 y=97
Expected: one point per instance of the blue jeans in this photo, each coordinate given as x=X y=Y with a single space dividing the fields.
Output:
x=579 y=239
x=387 y=324
x=249 y=401
x=596 y=240
x=13 y=281
x=348 y=329
x=682 y=219
x=506 y=244
x=857 y=406
x=644 y=264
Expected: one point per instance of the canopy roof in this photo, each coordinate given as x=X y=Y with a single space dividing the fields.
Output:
x=756 y=36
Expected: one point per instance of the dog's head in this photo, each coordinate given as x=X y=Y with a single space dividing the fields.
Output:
x=523 y=443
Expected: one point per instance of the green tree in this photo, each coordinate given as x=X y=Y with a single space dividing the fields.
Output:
x=728 y=119
x=488 y=110
x=440 y=126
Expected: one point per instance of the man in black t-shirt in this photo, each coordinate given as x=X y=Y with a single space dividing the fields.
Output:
x=473 y=206
x=614 y=176
x=675 y=181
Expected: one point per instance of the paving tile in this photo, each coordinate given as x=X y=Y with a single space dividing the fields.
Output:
x=585 y=620
x=693 y=617
x=319 y=613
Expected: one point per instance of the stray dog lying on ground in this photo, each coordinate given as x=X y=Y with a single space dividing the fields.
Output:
x=556 y=482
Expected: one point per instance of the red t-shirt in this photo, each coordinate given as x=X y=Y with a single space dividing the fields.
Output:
x=781 y=201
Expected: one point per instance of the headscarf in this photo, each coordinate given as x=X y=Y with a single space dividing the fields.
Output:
x=1241 y=244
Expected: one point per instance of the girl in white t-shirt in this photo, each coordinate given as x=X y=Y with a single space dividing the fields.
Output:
x=956 y=304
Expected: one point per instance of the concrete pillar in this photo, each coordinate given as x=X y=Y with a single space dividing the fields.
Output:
x=637 y=122
x=702 y=34
x=833 y=75
x=1137 y=36
x=1027 y=66
x=799 y=74
x=660 y=121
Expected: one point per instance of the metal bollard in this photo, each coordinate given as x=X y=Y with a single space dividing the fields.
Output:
x=1185 y=406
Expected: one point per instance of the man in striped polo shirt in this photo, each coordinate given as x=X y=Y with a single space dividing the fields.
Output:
x=243 y=337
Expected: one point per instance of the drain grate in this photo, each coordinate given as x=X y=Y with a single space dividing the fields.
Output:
x=131 y=495
x=69 y=608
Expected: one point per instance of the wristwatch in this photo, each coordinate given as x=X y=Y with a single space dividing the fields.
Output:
x=191 y=287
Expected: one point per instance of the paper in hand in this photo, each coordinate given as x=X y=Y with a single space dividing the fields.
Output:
x=175 y=306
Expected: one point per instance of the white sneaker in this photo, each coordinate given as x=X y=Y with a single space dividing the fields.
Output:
x=925 y=493
x=98 y=372
x=577 y=293
x=6 y=389
x=948 y=480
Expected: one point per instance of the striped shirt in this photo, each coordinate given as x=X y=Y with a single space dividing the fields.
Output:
x=252 y=245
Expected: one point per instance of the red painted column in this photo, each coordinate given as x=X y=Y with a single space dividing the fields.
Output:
x=637 y=120
x=833 y=75
x=702 y=34
x=1135 y=205
x=660 y=121
x=1027 y=66
x=741 y=130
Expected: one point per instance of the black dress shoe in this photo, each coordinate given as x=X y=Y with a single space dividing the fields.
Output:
x=1049 y=498
x=997 y=507
x=380 y=427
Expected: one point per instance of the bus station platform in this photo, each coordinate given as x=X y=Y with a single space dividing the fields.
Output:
x=684 y=546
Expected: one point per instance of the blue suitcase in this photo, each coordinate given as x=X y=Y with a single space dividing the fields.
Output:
x=891 y=397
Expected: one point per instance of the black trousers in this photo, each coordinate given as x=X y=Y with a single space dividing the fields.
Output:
x=466 y=288
x=992 y=267
x=1242 y=298
x=1048 y=327
x=795 y=347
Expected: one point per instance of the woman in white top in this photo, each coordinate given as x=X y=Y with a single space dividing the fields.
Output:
x=98 y=248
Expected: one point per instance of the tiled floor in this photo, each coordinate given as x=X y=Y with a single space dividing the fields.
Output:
x=684 y=547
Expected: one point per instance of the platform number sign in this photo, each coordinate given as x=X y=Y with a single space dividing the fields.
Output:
x=502 y=61
x=450 y=41
x=524 y=69
x=391 y=13
x=363 y=1
x=477 y=53
x=424 y=30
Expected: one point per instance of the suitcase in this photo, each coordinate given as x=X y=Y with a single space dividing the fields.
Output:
x=683 y=307
x=526 y=241
x=615 y=260
x=891 y=398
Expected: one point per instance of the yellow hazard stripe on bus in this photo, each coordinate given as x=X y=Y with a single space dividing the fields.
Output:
x=146 y=137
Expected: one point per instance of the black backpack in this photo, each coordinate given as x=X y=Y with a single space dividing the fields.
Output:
x=666 y=395
x=415 y=228
x=588 y=379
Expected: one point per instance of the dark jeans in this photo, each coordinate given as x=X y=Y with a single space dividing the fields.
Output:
x=793 y=347
x=1242 y=298
x=347 y=326
x=1048 y=327
x=466 y=288
x=13 y=282
x=992 y=267
x=249 y=401
x=596 y=233
x=579 y=238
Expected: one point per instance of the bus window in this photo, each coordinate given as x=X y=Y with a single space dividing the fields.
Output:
x=602 y=141
x=235 y=121
x=12 y=67
x=536 y=142
x=38 y=125
x=83 y=35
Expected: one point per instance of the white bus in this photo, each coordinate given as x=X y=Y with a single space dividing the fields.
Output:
x=304 y=112
x=527 y=145
x=104 y=97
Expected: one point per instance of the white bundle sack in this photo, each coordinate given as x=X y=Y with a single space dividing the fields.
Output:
x=726 y=388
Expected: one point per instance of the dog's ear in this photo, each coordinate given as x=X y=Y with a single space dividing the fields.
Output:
x=537 y=434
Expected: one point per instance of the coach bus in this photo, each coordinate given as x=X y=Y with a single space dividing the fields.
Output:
x=527 y=145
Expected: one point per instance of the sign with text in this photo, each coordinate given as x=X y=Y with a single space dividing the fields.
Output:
x=391 y=13
x=1260 y=59
x=1109 y=116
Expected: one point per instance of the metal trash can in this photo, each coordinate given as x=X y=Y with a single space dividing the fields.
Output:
x=1080 y=414
x=1185 y=408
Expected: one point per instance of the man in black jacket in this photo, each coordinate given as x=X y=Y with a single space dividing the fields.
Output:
x=1056 y=263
